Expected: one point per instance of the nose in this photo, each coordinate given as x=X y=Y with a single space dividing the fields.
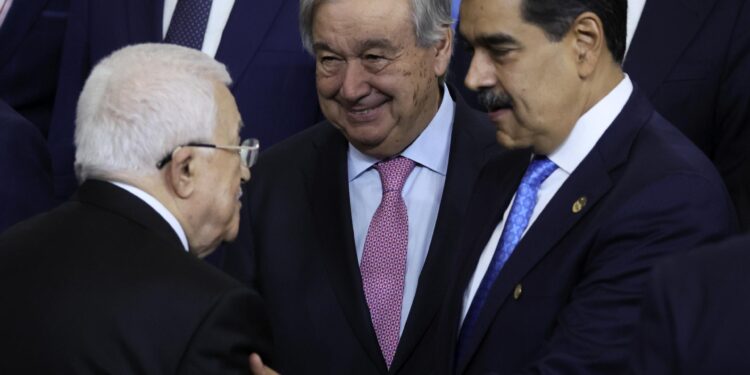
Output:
x=355 y=84
x=481 y=73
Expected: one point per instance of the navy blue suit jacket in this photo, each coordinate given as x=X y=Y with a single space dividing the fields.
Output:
x=274 y=78
x=568 y=297
x=695 y=313
x=31 y=41
x=25 y=169
x=303 y=260
x=691 y=58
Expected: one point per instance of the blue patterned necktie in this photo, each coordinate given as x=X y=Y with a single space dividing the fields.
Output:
x=188 y=25
x=516 y=223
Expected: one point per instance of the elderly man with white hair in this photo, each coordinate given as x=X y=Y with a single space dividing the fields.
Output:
x=111 y=282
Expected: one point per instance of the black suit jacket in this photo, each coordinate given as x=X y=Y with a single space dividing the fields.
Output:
x=567 y=299
x=25 y=169
x=304 y=262
x=695 y=313
x=691 y=58
x=102 y=284
x=31 y=40
x=274 y=78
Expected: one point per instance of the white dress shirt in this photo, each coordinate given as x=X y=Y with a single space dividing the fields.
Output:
x=635 y=9
x=217 y=20
x=422 y=192
x=567 y=157
x=159 y=208
x=4 y=8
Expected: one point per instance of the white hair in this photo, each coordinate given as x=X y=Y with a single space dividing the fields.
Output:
x=429 y=17
x=140 y=103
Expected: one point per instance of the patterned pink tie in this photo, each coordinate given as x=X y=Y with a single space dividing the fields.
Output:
x=384 y=257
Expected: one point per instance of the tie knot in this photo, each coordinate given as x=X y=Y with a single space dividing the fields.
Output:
x=539 y=169
x=394 y=172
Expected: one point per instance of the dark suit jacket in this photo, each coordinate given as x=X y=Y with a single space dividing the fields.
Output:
x=692 y=59
x=307 y=269
x=25 y=169
x=567 y=299
x=695 y=313
x=274 y=78
x=102 y=285
x=30 y=47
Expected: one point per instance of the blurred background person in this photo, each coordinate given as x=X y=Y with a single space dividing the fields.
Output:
x=25 y=169
x=694 y=318
x=31 y=38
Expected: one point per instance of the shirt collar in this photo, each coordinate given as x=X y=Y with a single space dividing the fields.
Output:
x=159 y=208
x=430 y=149
x=590 y=127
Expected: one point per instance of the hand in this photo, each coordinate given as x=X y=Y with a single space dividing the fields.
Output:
x=258 y=368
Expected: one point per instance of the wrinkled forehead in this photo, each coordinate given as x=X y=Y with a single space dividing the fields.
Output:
x=373 y=18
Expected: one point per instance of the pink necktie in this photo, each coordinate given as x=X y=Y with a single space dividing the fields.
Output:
x=384 y=257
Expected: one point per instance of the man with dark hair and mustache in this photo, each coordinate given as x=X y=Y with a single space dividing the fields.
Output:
x=561 y=231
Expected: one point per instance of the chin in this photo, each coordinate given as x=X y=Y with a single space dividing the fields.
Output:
x=233 y=229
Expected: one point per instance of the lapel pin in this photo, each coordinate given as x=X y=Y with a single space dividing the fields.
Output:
x=579 y=204
x=517 y=292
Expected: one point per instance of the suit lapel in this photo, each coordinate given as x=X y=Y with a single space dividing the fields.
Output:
x=495 y=189
x=329 y=196
x=145 y=20
x=21 y=17
x=591 y=180
x=655 y=48
x=245 y=31
x=467 y=156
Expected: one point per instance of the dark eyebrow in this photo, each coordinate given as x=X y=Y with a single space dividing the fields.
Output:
x=496 y=39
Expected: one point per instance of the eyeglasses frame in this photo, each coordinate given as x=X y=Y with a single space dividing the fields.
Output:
x=251 y=145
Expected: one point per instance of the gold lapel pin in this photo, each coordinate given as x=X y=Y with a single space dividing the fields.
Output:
x=579 y=204
x=517 y=292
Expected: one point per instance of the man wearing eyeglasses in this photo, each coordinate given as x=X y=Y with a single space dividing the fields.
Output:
x=111 y=282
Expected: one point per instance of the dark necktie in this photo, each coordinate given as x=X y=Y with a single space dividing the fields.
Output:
x=188 y=25
x=517 y=221
x=383 y=266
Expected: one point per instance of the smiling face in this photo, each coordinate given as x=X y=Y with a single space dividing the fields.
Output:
x=529 y=84
x=374 y=83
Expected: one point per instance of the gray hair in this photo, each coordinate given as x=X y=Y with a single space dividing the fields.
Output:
x=430 y=18
x=140 y=103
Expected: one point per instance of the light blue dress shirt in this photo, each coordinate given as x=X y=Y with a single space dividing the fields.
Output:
x=422 y=193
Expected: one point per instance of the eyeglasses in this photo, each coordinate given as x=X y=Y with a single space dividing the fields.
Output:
x=248 y=151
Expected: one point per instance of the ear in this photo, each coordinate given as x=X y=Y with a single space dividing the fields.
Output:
x=590 y=43
x=443 y=51
x=181 y=172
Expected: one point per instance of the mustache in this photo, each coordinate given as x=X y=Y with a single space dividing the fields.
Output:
x=492 y=100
